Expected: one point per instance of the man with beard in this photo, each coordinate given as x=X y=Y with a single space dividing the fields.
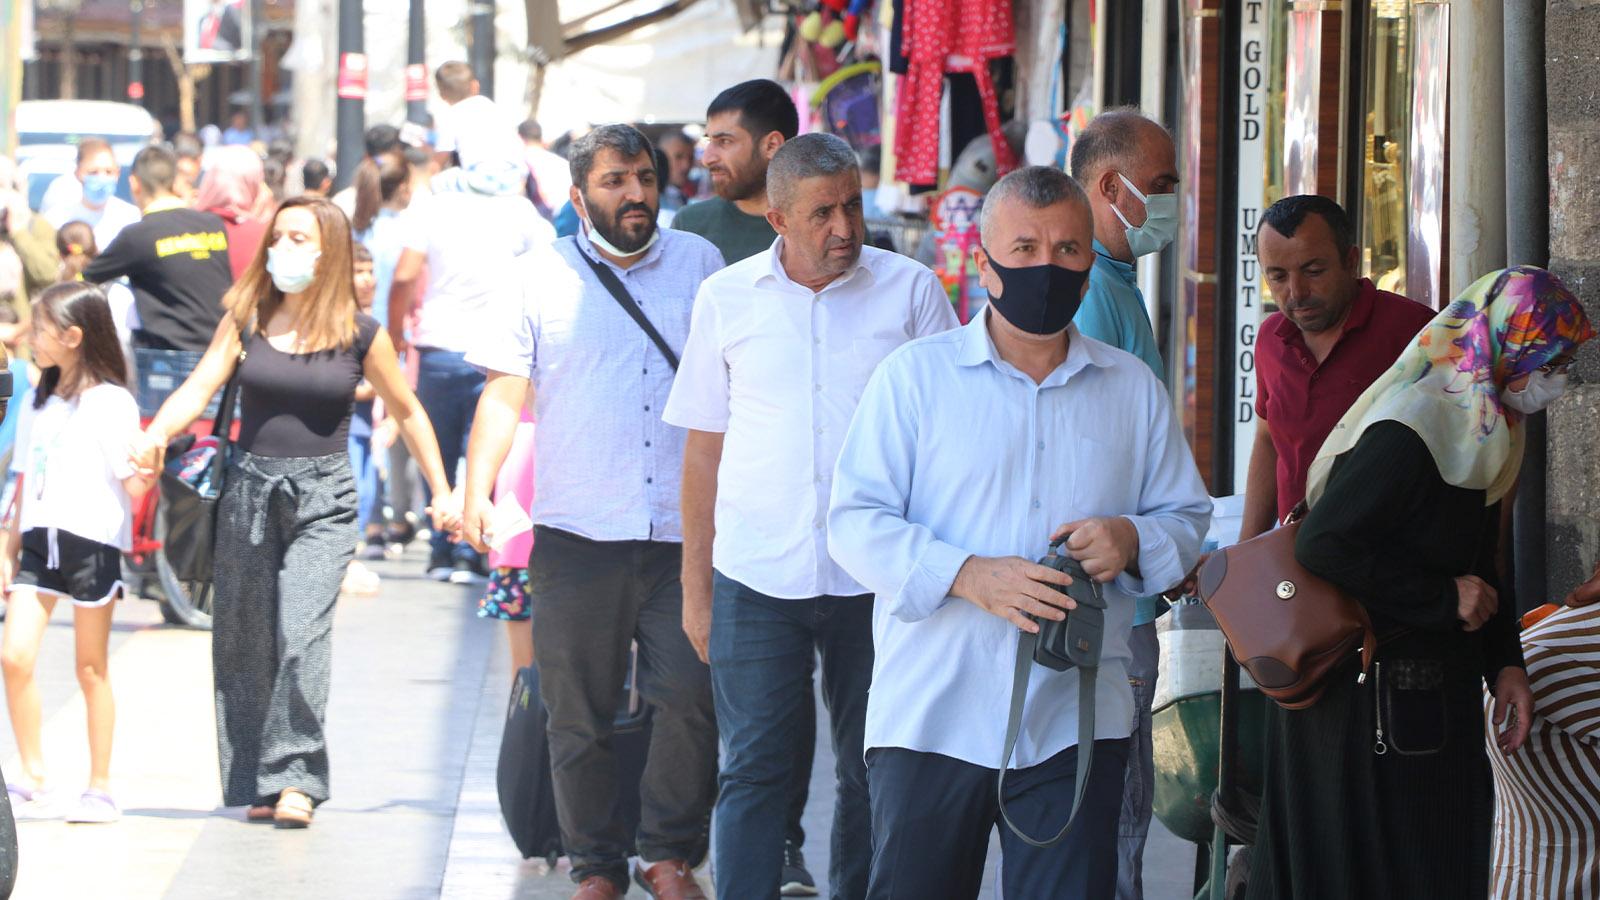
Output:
x=745 y=126
x=607 y=551
x=1334 y=334
x=468 y=233
x=967 y=451
x=782 y=345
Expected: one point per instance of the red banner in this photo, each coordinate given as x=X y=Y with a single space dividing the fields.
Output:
x=353 y=76
x=416 y=82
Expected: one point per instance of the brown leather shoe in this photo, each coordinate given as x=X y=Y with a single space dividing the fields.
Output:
x=670 y=880
x=597 y=887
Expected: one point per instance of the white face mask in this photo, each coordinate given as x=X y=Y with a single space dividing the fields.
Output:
x=292 y=268
x=599 y=240
x=1160 y=221
x=1542 y=389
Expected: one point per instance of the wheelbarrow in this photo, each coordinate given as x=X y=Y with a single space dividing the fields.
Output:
x=1206 y=731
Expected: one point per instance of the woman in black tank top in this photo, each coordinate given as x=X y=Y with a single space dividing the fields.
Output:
x=286 y=519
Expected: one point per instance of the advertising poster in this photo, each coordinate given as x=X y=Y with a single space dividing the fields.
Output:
x=216 y=31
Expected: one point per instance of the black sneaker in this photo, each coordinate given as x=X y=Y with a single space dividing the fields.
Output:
x=401 y=531
x=797 y=882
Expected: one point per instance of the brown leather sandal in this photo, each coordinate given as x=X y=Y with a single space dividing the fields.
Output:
x=260 y=813
x=294 y=810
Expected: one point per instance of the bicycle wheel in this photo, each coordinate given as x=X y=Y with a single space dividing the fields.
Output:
x=186 y=603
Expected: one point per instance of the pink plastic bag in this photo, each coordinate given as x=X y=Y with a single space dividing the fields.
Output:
x=516 y=476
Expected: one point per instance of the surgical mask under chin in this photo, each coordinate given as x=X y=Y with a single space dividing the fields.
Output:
x=1038 y=299
x=97 y=189
x=1160 y=221
x=599 y=240
x=292 y=268
x=1542 y=389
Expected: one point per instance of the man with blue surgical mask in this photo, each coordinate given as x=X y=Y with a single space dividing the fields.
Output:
x=89 y=195
x=1128 y=166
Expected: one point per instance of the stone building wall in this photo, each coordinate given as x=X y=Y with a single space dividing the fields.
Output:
x=1572 y=69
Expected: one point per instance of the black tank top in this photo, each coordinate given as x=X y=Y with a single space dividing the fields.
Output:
x=299 y=404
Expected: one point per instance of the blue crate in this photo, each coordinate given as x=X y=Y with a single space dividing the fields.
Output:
x=160 y=373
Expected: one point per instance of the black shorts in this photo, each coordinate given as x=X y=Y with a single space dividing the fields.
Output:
x=87 y=571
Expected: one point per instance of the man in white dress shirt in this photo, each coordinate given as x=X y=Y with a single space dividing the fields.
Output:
x=967 y=452
x=780 y=348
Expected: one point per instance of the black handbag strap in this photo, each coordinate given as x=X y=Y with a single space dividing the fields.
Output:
x=626 y=301
x=1019 y=695
x=222 y=426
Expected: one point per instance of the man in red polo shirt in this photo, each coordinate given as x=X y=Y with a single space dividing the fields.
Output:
x=1334 y=335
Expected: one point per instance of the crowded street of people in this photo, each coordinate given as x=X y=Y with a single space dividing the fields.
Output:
x=741 y=449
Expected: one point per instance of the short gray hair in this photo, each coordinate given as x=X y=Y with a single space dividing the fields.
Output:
x=1037 y=186
x=1111 y=138
x=806 y=156
x=626 y=140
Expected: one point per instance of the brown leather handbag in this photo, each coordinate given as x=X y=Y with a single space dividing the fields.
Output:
x=1287 y=627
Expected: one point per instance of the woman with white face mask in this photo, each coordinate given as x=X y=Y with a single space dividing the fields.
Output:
x=1383 y=789
x=286 y=520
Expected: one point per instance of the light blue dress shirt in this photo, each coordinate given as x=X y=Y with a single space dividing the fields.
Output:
x=1114 y=313
x=954 y=452
x=609 y=469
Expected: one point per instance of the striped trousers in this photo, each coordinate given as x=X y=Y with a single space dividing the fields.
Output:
x=286 y=530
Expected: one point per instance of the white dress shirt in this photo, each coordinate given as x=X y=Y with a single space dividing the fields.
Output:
x=954 y=453
x=780 y=370
x=609 y=468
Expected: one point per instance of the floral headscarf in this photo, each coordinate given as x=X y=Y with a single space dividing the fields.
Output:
x=1447 y=385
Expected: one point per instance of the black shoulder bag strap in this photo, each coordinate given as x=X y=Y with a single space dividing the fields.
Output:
x=626 y=301
x=222 y=426
x=1019 y=695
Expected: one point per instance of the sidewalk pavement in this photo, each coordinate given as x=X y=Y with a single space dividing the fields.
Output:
x=419 y=692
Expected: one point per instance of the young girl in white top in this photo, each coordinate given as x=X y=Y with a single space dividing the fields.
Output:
x=71 y=524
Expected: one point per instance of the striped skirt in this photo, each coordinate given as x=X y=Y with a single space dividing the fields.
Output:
x=1547 y=815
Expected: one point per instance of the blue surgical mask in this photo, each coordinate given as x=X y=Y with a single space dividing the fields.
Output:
x=1160 y=221
x=97 y=189
x=292 y=268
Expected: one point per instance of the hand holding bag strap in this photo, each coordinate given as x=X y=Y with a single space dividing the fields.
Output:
x=1019 y=695
x=629 y=306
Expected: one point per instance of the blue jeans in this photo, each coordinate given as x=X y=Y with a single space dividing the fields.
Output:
x=762 y=652
x=449 y=391
x=1138 y=792
x=932 y=816
x=369 y=487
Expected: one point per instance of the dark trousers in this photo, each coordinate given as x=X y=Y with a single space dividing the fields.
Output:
x=932 y=814
x=286 y=529
x=448 y=389
x=762 y=653
x=591 y=601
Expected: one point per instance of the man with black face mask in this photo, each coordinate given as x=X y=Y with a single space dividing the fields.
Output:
x=607 y=552
x=967 y=451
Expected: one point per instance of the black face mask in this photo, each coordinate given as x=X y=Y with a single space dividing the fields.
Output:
x=1038 y=299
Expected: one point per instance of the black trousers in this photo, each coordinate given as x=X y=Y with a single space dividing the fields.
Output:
x=591 y=601
x=932 y=814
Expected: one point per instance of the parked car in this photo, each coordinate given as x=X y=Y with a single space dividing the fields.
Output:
x=49 y=131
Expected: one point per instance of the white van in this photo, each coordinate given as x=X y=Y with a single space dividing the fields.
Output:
x=49 y=131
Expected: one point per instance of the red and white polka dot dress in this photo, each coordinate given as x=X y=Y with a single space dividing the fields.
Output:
x=948 y=36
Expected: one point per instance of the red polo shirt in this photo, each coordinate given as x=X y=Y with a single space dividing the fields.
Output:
x=1302 y=400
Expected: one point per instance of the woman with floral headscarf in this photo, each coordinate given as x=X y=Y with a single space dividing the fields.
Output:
x=1383 y=789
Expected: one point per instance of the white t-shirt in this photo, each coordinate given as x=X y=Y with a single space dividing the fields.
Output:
x=75 y=456
x=477 y=130
x=65 y=204
x=471 y=241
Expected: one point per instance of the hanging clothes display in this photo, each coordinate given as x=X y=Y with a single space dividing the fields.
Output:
x=948 y=36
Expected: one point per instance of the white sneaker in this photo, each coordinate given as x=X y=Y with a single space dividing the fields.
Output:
x=95 y=807
x=31 y=804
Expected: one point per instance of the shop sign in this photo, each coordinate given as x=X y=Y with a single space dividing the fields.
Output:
x=353 y=76
x=1252 y=198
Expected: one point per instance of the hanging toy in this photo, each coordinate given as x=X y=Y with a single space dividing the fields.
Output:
x=811 y=26
x=826 y=24
x=852 y=19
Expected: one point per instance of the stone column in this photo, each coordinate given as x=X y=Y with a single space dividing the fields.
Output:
x=1571 y=36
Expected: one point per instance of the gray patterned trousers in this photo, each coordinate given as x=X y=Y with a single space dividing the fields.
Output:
x=286 y=529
